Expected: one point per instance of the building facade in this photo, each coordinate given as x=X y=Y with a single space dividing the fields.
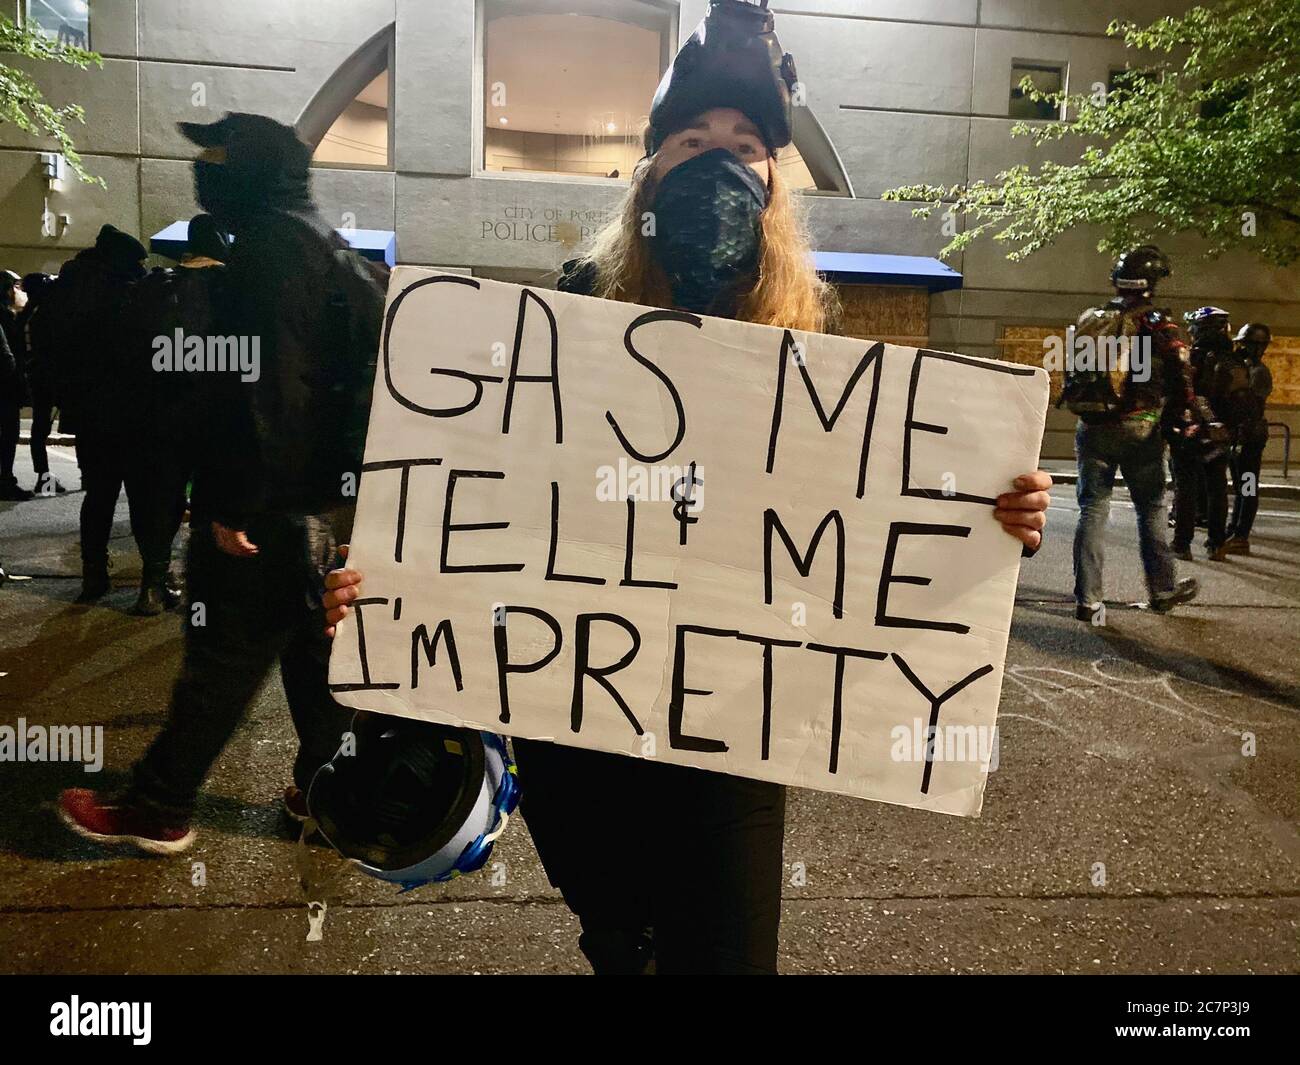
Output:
x=494 y=136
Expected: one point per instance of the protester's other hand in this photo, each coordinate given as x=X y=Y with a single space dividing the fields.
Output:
x=233 y=541
x=341 y=587
x=1023 y=513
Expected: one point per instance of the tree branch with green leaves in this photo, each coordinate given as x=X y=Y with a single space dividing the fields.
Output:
x=21 y=100
x=1201 y=135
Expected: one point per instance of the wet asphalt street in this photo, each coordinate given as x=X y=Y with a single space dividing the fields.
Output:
x=1121 y=746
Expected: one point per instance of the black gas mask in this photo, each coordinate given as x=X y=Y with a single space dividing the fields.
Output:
x=707 y=230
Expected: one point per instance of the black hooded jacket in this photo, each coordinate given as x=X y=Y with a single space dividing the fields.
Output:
x=310 y=308
x=85 y=312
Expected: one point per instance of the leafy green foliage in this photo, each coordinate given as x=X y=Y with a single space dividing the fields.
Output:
x=23 y=103
x=1202 y=135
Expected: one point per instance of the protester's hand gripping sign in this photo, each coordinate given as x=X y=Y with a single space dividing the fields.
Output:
x=707 y=542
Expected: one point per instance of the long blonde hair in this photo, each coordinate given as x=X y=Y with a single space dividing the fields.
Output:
x=788 y=292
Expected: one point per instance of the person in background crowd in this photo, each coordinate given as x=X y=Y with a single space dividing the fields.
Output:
x=163 y=305
x=85 y=312
x=1199 y=444
x=13 y=382
x=40 y=379
x=1245 y=385
x=1120 y=411
x=277 y=451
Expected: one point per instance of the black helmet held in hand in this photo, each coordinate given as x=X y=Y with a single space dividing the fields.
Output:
x=415 y=802
x=1139 y=269
x=733 y=59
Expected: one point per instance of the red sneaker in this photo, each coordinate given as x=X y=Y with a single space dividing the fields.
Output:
x=295 y=804
x=88 y=816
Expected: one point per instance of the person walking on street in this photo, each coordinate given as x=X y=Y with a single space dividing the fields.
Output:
x=1122 y=405
x=40 y=380
x=13 y=382
x=1249 y=384
x=282 y=435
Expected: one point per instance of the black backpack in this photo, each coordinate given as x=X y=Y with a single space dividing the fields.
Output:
x=1093 y=392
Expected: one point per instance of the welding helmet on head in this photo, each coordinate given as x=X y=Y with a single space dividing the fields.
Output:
x=733 y=59
x=412 y=802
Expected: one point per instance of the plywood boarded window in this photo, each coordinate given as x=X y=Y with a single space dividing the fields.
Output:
x=896 y=314
x=1025 y=344
x=1283 y=361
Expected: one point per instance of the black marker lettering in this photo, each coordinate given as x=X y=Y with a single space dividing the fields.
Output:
x=888 y=577
x=551 y=574
x=910 y=423
x=936 y=701
x=872 y=355
x=420 y=641
x=405 y=466
x=366 y=684
x=629 y=551
x=449 y=527
x=768 y=643
x=837 y=708
x=633 y=326
x=803 y=563
x=502 y=645
x=553 y=377
x=582 y=667
x=476 y=379
x=677 y=739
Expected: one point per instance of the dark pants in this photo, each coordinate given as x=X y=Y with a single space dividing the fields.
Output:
x=1102 y=451
x=8 y=437
x=1247 y=459
x=684 y=863
x=259 y=611
x=42 y=426
x=154 y=478
x=1195 y=480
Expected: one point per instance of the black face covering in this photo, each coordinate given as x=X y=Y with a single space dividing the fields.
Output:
x=228 y=193
x=707 y=212
x=216 y=192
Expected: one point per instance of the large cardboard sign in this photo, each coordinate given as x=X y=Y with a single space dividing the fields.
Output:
x=701 y=541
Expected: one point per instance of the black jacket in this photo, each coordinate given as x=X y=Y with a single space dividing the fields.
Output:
x=13 y=382
x=85 y=313
x=281 y=444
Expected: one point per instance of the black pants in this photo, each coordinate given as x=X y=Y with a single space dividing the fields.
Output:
x=1194 y=480
x=154 y=477
x=1247 y=459
x=8 y=437
x=42 y=426
x=259 y=611
x=681 y=863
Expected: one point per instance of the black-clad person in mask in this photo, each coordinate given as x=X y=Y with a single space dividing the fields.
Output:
x=682 y=872
x=281 y=435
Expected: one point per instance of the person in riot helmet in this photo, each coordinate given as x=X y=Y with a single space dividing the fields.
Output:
x=280 y=444
x=727 y=241
x=1244 y=387
x=1122 y=402
x=1198 y=449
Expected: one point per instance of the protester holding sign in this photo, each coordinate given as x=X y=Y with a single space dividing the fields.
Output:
x=670 y=868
